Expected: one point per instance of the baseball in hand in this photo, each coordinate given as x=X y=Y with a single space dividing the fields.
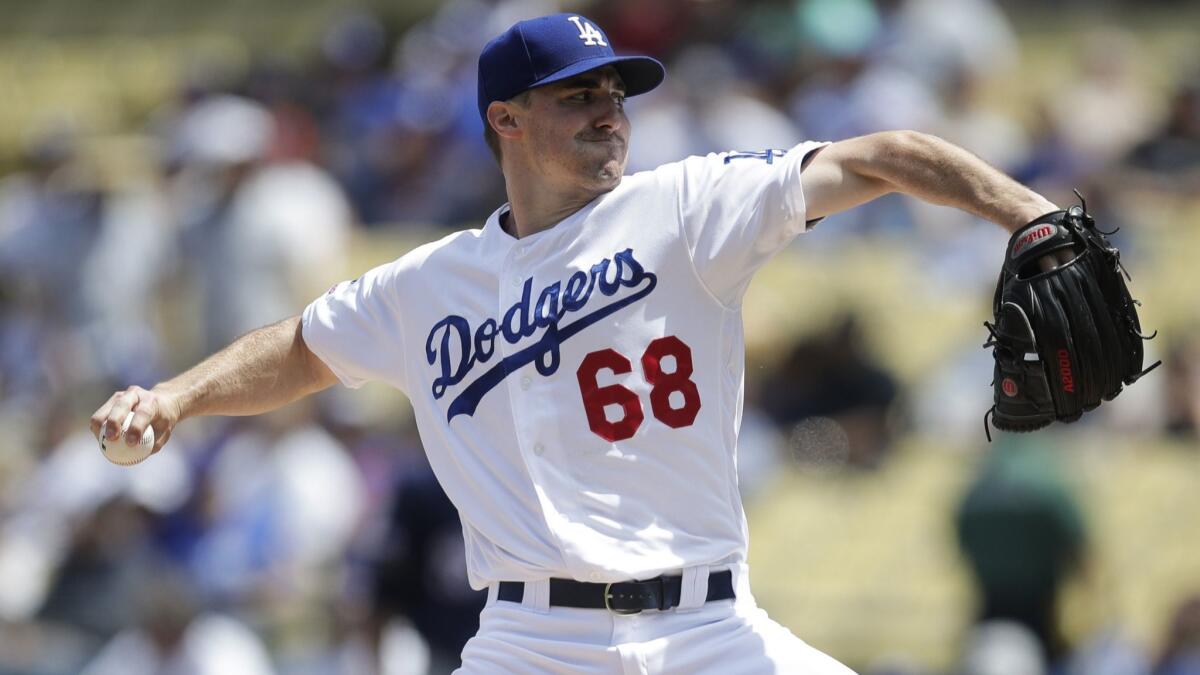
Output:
x=118 y=452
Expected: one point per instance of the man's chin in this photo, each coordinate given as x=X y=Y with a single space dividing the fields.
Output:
x=611 y=174
x=612 y=170
x=602 y=176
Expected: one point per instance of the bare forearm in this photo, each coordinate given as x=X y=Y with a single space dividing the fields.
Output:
x=260 y=371
x=939 y=172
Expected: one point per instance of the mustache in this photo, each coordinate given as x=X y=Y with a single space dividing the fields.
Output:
x=598 y=136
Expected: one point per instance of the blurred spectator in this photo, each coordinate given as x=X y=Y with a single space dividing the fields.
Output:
x=1171 y=155
x=49 y=219
x=408 y=144
x=255 y=229
x=101 y=572
x=1052 y=161
x=936 y=39
x=281 y=502
x=829 y=88
x=126 y=271
x=76 y=521
x=868 y=96
x=1105 y=109
x=968 y=122
x=173 y=635
x=1023 y=535
x=1176 y=146
x=421 y=574
x=832 y=378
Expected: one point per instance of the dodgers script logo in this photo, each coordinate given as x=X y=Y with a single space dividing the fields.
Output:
x=454 y=349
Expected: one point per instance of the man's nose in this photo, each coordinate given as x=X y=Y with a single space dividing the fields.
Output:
x=611 y=115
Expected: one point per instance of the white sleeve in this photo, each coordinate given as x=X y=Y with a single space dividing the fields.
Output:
x=355 y=328
x=739 y=209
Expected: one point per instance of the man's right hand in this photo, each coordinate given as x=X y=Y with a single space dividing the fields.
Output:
x=155 y=408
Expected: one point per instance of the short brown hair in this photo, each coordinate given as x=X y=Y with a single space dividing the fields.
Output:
x=489 y=134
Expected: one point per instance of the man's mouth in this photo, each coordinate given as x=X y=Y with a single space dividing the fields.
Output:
x=614 y=140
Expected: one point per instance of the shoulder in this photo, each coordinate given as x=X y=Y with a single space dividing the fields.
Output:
x=421 y=262
x=714 y=165
x=453 y=245
x=449 y=250
x=673 y=170
x=662 y=180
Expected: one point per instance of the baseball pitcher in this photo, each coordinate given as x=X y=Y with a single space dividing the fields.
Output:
x=576 y=363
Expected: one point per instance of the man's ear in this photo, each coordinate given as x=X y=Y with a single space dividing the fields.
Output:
x=502 y=116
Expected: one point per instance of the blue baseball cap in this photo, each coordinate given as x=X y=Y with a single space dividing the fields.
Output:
x=553 y=48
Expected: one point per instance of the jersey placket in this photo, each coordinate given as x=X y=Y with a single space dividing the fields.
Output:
x=526 y=387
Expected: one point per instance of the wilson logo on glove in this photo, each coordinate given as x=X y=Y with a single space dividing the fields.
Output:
x=1033 y=237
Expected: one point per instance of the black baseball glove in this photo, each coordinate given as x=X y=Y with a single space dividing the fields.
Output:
x=1064 y=339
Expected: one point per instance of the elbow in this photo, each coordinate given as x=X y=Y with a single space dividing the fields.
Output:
x=906 y=143
x=888 y=158
x=884 y=154
x=900 y=157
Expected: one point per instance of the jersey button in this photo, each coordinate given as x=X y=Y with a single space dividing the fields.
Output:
x=538 y=449
x=526 y=382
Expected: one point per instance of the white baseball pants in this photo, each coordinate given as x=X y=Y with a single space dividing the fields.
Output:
x=724 y=637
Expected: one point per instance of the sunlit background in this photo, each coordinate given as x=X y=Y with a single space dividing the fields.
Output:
x=174 y=173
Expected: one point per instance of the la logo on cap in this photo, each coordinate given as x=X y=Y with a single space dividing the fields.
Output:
x=590 y=35
x=553 y=48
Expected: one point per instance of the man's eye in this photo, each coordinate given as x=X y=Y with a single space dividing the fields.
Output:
x=582 y=96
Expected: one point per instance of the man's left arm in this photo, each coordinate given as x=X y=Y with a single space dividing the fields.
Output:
x=852 y=172
x=1078 y=321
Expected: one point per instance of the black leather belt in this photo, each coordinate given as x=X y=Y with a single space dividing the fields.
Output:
x=622 y=597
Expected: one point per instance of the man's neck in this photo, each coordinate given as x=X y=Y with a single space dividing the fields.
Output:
x=541 y=207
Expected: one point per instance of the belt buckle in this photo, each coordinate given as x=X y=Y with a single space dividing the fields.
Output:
x=609 y=607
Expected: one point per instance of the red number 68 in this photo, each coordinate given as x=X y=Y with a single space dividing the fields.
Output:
x=663 y=384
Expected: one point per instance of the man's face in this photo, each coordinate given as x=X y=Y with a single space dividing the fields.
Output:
x=577 y=131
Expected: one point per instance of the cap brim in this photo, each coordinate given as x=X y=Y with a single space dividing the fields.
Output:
x=639 y=73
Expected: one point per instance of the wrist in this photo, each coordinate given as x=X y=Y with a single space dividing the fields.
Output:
x=1029 y=212
x=171 y=401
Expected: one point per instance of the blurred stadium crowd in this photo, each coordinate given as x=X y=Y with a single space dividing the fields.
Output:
x=315 y=540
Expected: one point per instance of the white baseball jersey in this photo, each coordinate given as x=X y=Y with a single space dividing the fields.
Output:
x=579 y=391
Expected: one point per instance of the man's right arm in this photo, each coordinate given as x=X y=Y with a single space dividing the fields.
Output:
x=857 y=170
x=260 y=371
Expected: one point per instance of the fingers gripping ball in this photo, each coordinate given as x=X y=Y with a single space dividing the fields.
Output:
x=119 y=452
